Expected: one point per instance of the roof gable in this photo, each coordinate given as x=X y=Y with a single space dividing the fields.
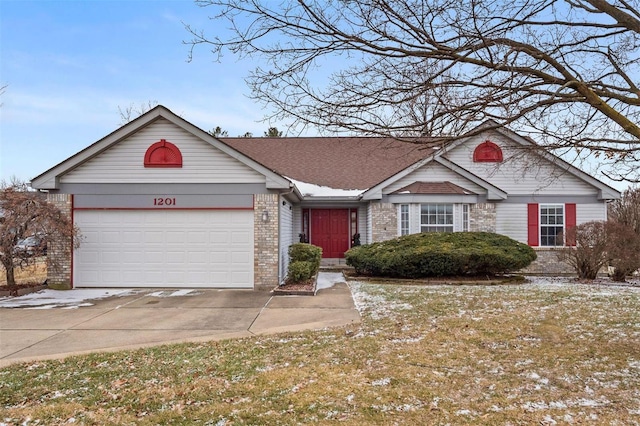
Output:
x=493 y=192
x=51 y=178
x=550 y=173
x=434 y=188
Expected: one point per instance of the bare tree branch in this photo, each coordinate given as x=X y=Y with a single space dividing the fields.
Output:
x=564 y=72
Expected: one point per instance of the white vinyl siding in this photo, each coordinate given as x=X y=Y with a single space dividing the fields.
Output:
x=520 y=173
x=511 y=220
x=286 y=235
x=589 y=212
x=363 y=225
x=369 y=225
x=124 y=162
x=168 y=248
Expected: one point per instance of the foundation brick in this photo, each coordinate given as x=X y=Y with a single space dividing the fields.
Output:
x=384 y=221
x=265 y=234
x=59 y=250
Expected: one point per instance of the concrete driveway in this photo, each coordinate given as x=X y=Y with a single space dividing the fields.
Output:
x=143 y=318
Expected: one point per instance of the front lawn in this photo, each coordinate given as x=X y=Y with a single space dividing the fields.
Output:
x=541 y=353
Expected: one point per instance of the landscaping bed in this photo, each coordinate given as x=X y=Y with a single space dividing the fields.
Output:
x=463 y=280
x=303 y=288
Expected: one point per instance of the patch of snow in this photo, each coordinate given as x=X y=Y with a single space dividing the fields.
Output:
x=310 y=189
x=381 y=382
x=171 y=293
x=68 y=299
x=329 y=279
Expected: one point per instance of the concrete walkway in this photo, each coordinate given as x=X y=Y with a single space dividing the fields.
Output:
x=151 y=317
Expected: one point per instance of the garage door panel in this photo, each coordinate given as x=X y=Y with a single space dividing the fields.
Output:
x=131 y=236
x=164 y=248
x=219 y=236
x=240 y=238
x=111 y=237
x=175 y=237
x=111 y=257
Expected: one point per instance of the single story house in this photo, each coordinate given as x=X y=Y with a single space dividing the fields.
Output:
x=162 y=203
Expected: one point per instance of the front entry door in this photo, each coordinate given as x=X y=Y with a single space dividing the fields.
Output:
x=330 y=230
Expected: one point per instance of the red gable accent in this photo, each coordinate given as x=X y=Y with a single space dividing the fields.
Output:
x=487 y=152
x=163 y=154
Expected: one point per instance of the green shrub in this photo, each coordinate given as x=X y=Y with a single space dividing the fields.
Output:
x=304 y=252
x=441 y=254
x=304 y=262
x=300 y=271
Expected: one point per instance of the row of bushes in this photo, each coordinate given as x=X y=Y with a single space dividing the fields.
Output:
x=441 y=254
x=600 y=244
x=304 y=262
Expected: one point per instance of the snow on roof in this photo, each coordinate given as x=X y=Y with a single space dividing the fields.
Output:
x=312 y=190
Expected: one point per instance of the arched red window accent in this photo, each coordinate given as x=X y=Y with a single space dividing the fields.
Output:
x=487 y=152
x=163 y=154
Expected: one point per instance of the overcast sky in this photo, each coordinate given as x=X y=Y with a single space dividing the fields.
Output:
x=69 y=65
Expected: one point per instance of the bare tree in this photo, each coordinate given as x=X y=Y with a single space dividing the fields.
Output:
x=589 y=255
x=25 y=213
x=132 y=112
x=3 y=90
x=623 y=250
x=562 y=71
x=626 y=210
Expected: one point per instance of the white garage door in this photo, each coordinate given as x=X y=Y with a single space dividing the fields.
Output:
x=168 y=248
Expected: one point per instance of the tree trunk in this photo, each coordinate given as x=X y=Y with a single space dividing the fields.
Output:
x=11 y=279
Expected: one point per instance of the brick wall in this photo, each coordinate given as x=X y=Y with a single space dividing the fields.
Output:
x=265 y=244
x=384 y=221
x=59 y=249
x=482 y=217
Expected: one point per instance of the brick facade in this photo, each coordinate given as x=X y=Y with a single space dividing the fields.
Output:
x=547 y=263
x=482 y=217
x=59 y=259
x=384 y=221
x=265 y=243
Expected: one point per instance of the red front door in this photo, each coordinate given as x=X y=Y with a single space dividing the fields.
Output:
x=330 y=230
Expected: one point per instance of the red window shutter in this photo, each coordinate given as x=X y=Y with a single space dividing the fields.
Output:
x=570 y=219
x=533 y=221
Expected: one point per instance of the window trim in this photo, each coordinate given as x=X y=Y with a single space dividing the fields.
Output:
x=437 y=215
x=542 y=225
x=404 y=218
x=465 y=217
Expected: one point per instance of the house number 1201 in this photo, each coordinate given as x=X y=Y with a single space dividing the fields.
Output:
x=164 y=201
